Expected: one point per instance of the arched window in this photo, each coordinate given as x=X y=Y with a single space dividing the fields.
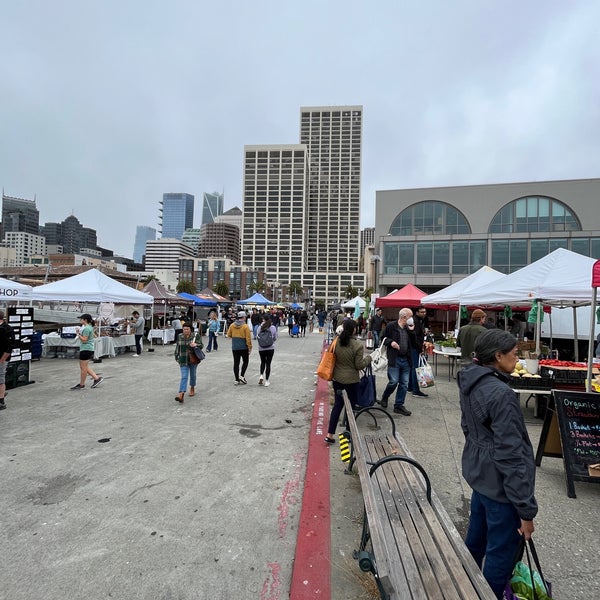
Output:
x=430 y=216
x=534 y=213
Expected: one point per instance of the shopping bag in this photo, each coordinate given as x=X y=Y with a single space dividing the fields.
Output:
x=379 y=357
x=327 y=364
x=424 y=373
x=526 y=583
x=192 y=357
x=369 y=342
x=367 y=392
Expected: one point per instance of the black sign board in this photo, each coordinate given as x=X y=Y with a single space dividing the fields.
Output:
x=578 y=416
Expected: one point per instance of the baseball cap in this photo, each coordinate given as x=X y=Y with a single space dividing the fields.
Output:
x=241 y=314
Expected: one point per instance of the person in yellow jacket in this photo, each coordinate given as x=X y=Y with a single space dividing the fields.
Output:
x=241 y=346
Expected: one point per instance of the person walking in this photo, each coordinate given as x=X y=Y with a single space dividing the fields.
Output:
x=349 y=360
x=302 y=322
x=399 y=338
x=186 y=342
x=85 y=335
x=376 y=325
x=497 y=461
x=137 y=322
x=7 y=343
x=213 y=330
x=467 y=335
x=177 y=326
x=417 y=350
x=241 y=346
x=267 y=334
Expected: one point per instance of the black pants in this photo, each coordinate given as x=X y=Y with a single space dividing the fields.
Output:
x=138 y=345
x=237 y=355
x=266 y=356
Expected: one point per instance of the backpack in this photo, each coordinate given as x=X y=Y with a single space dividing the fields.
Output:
x=265 y=338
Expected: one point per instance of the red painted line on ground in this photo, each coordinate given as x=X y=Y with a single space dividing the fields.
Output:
x=288 y=496
x=271 y=589
x=311 y=577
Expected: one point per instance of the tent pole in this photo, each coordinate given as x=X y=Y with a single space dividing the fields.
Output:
x=590 y=355
x=575 y=339
x=538 y=328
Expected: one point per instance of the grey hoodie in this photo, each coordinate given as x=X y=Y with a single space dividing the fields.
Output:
x=498 y=459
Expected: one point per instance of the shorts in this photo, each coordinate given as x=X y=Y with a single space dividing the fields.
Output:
x=3 y=366
x=86 y=354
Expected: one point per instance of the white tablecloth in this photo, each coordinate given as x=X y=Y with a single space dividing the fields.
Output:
x=103 y=345
x=165 y=336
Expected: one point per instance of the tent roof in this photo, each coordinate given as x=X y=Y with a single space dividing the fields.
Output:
x=451 y=296
x=256 y=299
x=561 y=278
x=197 y=299
x=220 y=299
x=352 y=303
x=90 y=286
x=162 y=295
x=409 y=296
x=11 y=290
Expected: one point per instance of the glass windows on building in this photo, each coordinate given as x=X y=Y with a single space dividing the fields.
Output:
x=534 y=214
x=468 y=256
x=429 y=217
x=509 y=255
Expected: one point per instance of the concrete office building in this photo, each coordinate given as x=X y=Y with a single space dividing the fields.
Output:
x=164 y=254
x=20 y=214
x=192 y=237
x=212 y=207
x=25 y=245
x=433 y=237
x=143 y=234
x=70 y=234
x=176 y=215
x=301 y=208
x=220 y=239
x=233 y=216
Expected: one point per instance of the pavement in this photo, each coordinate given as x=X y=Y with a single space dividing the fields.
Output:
x=121 y=492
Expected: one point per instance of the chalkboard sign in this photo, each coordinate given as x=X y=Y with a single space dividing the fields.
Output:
x=579 y=423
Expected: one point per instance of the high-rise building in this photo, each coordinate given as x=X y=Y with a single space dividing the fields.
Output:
x=176 y=215
x=70 y=234
x=143 y=233
x=233 y=216
x=19 y=214
x=165 y=253
x=301 y=210
x=367 y=238
x=191 y=237
x=25 y=245
x=212 y=207
x=220 y=240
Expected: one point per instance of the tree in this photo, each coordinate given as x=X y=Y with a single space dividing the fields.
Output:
x=351 y=292
x=295 y=290
x=148 y=279
x=368 y=292
x=186 y=286
x=257 y=287
x=221 y=288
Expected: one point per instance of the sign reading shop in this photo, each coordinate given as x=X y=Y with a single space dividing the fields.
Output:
x=10 y=292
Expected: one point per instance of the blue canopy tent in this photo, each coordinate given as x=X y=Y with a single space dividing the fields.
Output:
x=198 y=300
x=256 y=299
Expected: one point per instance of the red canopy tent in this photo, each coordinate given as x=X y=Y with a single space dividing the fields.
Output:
x=409 y=296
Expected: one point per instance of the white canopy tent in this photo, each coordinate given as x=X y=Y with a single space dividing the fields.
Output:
x=11 y=291
x=362 y=303
x=90 y=286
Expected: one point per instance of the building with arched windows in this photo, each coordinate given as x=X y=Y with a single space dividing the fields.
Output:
x=433 y=237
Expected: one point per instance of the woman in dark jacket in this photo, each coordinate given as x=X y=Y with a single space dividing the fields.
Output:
x=349 y=360
x=185 y=342
x=497 y=461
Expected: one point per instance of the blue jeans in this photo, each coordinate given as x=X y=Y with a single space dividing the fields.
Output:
x=187 y=371
x=212 y=341
x=493 y=534
x=375 y=338
x=398 y=376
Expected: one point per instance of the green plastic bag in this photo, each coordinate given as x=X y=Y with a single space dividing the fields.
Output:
x=520 y=583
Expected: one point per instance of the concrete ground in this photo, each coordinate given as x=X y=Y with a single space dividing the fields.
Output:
x=120 y=492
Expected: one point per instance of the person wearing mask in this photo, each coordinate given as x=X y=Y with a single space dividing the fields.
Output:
x=7 y=342
x=241 y=346
x=137 y=322
x=85 y=335
x=376 y=325
x=416 y=350
x=349 y=360
x=498 y=461
x=468 y=333
x=267 y=334
x=213 y=329
x=188 y=340
x=399 y=338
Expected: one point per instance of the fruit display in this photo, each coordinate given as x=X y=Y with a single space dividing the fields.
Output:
x=521 y=371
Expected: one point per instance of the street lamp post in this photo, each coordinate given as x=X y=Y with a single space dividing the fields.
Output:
x=376 y=259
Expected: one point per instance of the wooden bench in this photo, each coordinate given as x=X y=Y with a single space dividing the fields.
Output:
x=408 y=542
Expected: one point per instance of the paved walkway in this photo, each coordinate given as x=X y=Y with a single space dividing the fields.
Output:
x=120 y=492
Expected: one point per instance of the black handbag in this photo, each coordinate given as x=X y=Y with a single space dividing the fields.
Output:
x=367 y=391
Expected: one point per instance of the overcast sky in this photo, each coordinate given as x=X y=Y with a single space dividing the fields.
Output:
x=106 y=105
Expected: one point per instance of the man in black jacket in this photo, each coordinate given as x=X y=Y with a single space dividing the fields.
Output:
x=376 y=325
x=7 y=340
x=417 y=350
x=399 y=338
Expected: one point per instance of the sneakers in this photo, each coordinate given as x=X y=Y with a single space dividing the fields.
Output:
x=136 y=355
x=420 y=394
x=78 y=387
x=236 y=383
x=266 y=383
x=97 y=382
x=243 y=381
x=261 y=379
x=400 y=410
